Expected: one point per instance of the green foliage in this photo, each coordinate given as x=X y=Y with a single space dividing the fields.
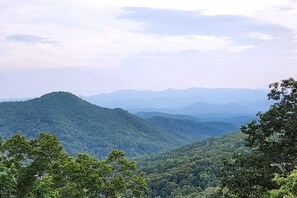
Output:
x=209 y=192
x=288 y=186
x=7 y=180
x=27 y=160
x=83 y=127
x=191 y=170
x=44 y=188
x=270 y=146
x=247 y=174
x=85 y=176
x=38 y=168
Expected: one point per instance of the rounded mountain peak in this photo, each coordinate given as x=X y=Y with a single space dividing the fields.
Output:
x=60 y=97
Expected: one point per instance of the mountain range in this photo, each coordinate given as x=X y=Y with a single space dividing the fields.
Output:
x=182 y=97
x=197 y=102
x=85 y=127
x=173 y=169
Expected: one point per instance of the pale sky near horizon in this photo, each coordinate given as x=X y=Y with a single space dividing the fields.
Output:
x=96 y=46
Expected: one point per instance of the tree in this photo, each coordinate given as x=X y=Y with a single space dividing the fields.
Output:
x=288 y=186
x=85 y=176
x=120 y=179
x=38 y=168
x=270 y=146
x=28 y=160
x=7 y=181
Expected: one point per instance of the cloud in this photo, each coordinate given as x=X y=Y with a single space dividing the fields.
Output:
x=284 y=8
x=262 y=36
x=209 y=7
x=177 y=43
x=243 y=32
x=27 y=38
x=178 y=22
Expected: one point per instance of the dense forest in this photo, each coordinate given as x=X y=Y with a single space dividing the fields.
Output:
x=83 y=127
x=190 y=130
x=234 y=119
x=190 y=170
x=258 y=161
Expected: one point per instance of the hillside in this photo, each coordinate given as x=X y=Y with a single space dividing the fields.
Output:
x=84 y=127
x=236 y=120
x=190 y=130
x=190 y=169
x=199 y=108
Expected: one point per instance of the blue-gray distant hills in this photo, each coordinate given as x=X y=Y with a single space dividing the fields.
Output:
x=182 y=97
x=194 y=102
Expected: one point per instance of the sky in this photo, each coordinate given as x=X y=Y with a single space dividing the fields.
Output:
x=98 y=46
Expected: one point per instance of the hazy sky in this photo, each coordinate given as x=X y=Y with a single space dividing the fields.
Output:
x=95 y=46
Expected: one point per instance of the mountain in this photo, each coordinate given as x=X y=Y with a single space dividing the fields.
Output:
x=191 y=130
x=234 y=119
x=84 y=127
x=175 y=98
x=191 y=170
x=237 y=106
x=200 y=108
x=13 y=99
x=147 y=115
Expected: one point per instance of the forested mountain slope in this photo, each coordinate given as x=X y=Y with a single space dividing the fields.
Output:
x=235 y=119
x=191 y=130
x=188 y=170
x=84 y=127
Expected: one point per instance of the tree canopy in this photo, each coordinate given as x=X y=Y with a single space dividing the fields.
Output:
x=39 y=168
x=189 y=171
x=270 y=146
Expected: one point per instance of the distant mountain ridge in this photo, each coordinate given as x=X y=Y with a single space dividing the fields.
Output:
x=193 y=101
x=200 y=108
x=84 y=127
x=236 y=120
x=14 y=99
x=183 y=97
x=147 y=115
